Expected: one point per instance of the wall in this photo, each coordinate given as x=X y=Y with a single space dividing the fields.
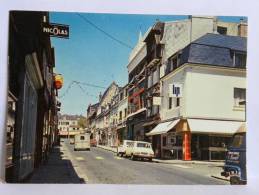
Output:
x=165 y=113
x=232 y=28
x=209 y=92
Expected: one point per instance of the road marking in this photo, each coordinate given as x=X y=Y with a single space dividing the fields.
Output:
x=118 y=158
x=99 y=158
x=182 y=166
x=79 y=158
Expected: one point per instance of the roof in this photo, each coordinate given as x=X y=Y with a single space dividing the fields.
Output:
x=214 y=49
x=232 y=42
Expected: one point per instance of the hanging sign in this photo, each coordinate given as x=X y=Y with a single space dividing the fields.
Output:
x=175 y=90
x=157 y=101
x=56 y=30
x=58 y=81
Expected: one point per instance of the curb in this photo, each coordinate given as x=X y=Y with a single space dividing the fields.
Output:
x=220 y=178
x=186 y=163
x=104 y=148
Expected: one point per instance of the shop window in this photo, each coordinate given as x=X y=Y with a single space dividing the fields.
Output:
x=239 y=97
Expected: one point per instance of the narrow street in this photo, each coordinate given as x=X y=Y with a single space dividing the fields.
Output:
x=99 y=166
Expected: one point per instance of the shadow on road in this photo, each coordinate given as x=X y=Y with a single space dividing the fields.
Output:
x=56 y=170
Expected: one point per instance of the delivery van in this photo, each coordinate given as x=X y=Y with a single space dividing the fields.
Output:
x=82 y=142
x=235 y=164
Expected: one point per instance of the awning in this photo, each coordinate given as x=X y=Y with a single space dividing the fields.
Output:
x=139 y=111
x=213 y=126
x=163 y=128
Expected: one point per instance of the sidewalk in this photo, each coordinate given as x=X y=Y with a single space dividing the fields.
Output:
x=56 y=170
x=212 y=163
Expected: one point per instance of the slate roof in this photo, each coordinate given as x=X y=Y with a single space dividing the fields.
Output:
x=232 y=42
x=213 y=49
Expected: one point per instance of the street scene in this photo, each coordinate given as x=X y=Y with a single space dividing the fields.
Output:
x=126 y=99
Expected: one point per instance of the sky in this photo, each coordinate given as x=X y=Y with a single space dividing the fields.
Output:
x=90 y=56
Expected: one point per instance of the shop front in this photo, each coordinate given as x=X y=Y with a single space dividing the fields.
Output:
x=193 y=139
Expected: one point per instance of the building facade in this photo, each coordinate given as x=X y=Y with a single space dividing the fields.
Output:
x=203 y=98
x=31 y=63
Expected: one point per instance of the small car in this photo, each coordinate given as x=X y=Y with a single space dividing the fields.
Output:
x=93 y=142
x=140 y=150
x=122 y=148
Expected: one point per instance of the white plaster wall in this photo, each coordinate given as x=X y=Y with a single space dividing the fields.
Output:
x=200 y=26
x=166 y=113
x=176 y=36
x=209 y=93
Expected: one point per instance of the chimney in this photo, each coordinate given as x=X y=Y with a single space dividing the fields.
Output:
x=242 y=28
x=100 y=96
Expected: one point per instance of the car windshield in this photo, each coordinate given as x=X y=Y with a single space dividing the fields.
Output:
x=238 y=140
x=143 y=145
x=128 y=143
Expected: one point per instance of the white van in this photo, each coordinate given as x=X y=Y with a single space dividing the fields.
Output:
x=82 y=142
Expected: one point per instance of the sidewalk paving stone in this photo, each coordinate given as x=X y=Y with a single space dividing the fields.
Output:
x=56 y=170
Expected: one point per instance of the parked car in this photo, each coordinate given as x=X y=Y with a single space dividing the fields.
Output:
x=93 y=142
x=235 y=164
x=82 y=142
x=122 y=148
x=72 y=140
x=140 y=150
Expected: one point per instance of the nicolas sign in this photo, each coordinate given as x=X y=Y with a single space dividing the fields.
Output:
x=56 y=30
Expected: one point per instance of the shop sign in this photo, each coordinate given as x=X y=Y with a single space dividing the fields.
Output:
x=175 y=90
x=56 y=30
x=157 y=101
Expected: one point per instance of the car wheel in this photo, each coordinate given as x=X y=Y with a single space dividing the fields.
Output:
x=234 y=180
x=132 y=157
x=150 y=159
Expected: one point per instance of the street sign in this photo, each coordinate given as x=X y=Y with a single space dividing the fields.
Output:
x=56 y=30
x=175 y=90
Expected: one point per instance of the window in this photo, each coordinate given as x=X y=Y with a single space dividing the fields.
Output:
x=239 y=60
x=82 y=137
x=120 y=115
x=149 y=80
x=239 y=97
x=170 y=103
x=125 y=112
x=222 y=30
x=164 y=141
x=121 y=96
x=177 y=101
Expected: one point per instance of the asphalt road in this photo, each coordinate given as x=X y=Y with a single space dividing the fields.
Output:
x=104 y=167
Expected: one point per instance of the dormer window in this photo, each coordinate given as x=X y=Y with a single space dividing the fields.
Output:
x=239 y=59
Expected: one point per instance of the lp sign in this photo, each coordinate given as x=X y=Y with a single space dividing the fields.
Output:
x=175 y=90
x=56 y=30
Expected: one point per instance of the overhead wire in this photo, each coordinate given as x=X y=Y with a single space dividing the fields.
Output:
x=104 y=32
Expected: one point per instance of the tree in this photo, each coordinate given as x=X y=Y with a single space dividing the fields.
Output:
x=82 y=122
